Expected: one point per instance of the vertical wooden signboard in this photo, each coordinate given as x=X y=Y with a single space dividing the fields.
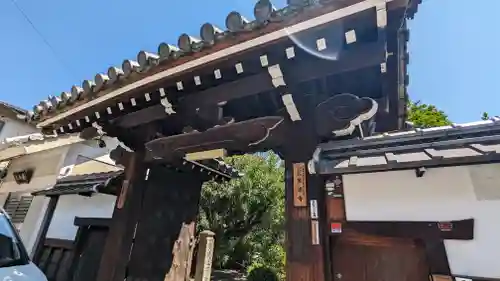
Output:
x=299 y=185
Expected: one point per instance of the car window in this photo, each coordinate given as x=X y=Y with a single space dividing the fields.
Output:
x=10 y=252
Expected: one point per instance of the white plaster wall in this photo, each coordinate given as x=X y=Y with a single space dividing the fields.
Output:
x=71 y=206
x=14 y=128
x=85 y=152
x=445 y=194
x=47 y=165
x=32 y=222
x=3 y=198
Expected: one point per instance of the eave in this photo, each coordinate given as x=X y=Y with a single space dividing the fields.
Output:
x=146 y=81
x=460 y=144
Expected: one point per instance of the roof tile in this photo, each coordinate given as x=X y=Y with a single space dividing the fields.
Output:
x=236 y=25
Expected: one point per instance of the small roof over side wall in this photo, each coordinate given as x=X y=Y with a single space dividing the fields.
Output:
x=12 y=111
x=99 y=177
x=85 y=178
x=458 y=144
x=28 y=144
x=85 y=184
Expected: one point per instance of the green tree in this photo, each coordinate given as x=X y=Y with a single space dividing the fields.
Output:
x=425 y=115
x=247 y=214
x=485 y=116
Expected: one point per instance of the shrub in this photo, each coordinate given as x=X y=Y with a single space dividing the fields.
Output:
x=262 y=273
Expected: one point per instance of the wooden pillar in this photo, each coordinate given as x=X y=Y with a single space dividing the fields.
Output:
x=116 y=252
x=304 y=219
x=44 y=228
x=165 y=227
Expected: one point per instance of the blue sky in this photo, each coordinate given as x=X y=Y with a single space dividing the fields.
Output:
x=454 y=46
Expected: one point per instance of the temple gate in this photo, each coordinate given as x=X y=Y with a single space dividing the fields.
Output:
x=286 y=81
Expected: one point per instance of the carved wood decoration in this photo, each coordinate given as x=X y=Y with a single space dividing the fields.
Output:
x=341 y=113
x=299 y=185
x=233 y=137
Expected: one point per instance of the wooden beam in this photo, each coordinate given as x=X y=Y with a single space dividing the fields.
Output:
x=459 y=230
x=44 y=228
x=100 y=222
x=59 y=243
x=308 y=69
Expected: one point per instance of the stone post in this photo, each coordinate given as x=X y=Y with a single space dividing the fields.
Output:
x=204 y=256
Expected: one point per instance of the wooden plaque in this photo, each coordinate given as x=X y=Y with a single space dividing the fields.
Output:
x=299 y=185
x=123 y=194
x=314 y=232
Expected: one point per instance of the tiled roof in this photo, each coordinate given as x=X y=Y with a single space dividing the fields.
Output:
x=458 y=144
x=180 y=58
x=6 y=107
x=81 y=184
x=32 y=143
x=103 y=182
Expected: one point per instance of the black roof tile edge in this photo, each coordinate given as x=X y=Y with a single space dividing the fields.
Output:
x=146 y=61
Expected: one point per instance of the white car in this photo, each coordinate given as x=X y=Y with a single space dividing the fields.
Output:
x=15 y=264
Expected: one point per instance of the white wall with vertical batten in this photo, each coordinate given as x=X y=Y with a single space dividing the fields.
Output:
x=442 y=194
x=71 y=206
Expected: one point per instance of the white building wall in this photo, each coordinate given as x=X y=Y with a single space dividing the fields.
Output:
x=444 y=194
x=3 y=198
x=32 y=222
x=71 y=206
x=14 y=128
x=81 y=207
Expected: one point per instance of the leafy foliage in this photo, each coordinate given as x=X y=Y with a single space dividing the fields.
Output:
x=247 y=214
x=424 y=115
x=263 y=273
x=273 y=257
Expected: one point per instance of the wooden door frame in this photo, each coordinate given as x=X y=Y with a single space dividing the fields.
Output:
x=429 y=234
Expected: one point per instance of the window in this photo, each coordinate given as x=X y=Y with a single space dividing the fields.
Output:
x=2 y=123
x=17 y=206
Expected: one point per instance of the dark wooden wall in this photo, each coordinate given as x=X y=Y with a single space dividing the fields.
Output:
x=55 y=259
x=89 y=246
x=78 y=260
